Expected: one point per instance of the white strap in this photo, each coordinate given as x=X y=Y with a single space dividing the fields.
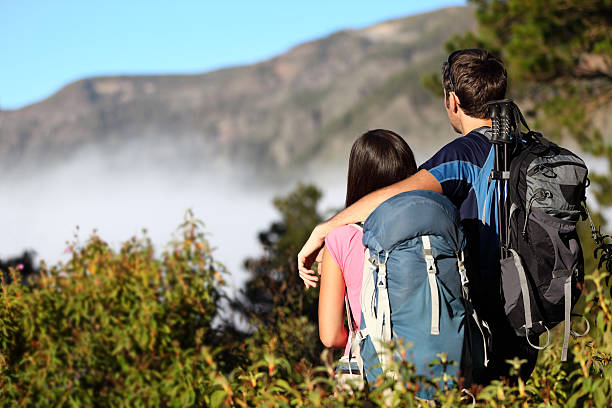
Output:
x=524 y=289
x=481 y=326
x=513 y=209
x=462 y=270
x=527 y=301
x=355 y=350
x=359 y=227
x=376 y=312
x=470 y=308
x=485 y=343
x=433 y=285
x=354 y=339
x=464 y=278
x=490 y=185
x=383 y=314
x=586 y=331
x=567 y=288
x=383 y=309
x=367 y=296
x=484 y=210
x=368 y=304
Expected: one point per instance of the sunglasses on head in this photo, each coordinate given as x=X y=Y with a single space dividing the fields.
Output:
x=449 y=62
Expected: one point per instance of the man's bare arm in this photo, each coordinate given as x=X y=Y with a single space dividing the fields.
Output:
x=358 y=212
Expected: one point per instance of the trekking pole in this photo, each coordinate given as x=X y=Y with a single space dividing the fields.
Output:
x=501 y=112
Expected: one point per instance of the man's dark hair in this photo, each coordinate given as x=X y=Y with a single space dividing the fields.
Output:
x=378 y=159
x=477 y=77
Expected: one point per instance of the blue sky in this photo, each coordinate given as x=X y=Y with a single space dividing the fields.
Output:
x=47 y=44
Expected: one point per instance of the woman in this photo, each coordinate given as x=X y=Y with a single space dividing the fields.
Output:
x=378 y=158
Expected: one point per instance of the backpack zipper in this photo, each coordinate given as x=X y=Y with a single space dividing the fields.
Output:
x=539 y=195
x=543 y=166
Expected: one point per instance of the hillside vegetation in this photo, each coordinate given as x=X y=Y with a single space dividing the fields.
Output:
x=141 y=328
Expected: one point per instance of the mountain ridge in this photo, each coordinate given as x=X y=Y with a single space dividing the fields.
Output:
x=305 y=105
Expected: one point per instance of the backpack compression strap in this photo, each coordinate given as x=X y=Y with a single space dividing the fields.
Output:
x=527 y=300
x=567 y=288
x=433 y=285
x=354 y=340
x=482 y=325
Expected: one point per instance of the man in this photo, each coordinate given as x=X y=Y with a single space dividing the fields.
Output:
x=460 y=171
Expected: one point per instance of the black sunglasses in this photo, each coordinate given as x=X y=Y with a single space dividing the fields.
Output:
x=448 y=64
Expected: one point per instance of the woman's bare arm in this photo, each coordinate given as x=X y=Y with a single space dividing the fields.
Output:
x=332 y=331
x=358 y=212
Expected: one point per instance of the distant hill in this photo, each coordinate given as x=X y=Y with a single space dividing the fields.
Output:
x=304 y=106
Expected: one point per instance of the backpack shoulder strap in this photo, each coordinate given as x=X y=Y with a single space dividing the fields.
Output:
x=374 y=300
x=354 y=339
x=349 y=315
x=357 y=226
x=354 y=336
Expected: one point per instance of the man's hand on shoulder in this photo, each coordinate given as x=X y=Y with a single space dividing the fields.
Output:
x=310 y=253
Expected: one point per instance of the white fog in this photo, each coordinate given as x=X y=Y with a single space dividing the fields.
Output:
x=42 y=212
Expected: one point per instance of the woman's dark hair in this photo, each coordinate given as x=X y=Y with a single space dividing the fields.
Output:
x=378 y=159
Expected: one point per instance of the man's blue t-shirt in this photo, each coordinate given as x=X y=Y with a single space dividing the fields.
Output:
x=462 y=168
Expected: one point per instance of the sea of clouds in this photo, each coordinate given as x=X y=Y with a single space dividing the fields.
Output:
x=41 y=211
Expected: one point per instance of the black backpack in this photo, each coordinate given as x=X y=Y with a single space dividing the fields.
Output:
x=541 y=276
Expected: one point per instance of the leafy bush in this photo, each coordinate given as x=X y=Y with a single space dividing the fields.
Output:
x=112 y=327
x=584 y=381
x=129 y=328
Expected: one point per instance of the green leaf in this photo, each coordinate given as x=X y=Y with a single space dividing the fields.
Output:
x=217 y=398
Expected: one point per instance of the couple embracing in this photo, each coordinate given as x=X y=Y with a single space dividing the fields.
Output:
x=381 y=166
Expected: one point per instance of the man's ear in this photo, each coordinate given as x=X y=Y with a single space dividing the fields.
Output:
x=453 y=102
x=446 y=99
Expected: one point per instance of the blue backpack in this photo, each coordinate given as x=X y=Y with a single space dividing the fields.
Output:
x=415 y=289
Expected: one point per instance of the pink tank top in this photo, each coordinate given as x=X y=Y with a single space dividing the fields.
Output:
x=345 y=247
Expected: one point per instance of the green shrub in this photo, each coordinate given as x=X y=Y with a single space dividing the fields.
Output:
x=129 y=328
x=584 y=381
x=112 y=328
